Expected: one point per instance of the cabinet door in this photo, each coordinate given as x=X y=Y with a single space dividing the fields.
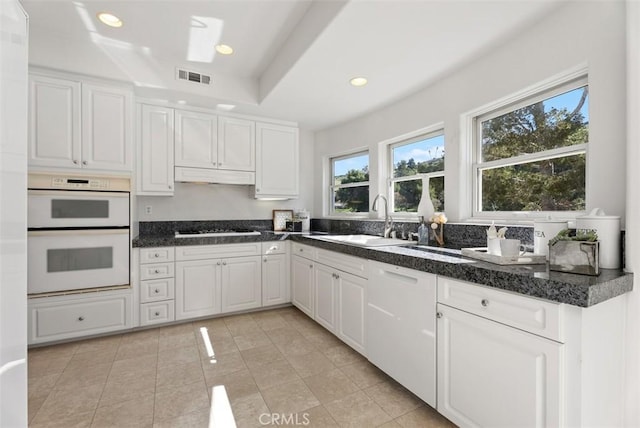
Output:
x=196 y=139
x=236 y=144
x=325 y=297
x=351 y=310
x=302 y=284
x=54 y=122
x=241 y=284
x=107 y=131
x=155 y=160
x=401 y=326
x=276 y=161
x=275 y=280
x=490 y=374
x=197 y=288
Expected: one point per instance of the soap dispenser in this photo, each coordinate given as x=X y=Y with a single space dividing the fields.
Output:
x=423 y=233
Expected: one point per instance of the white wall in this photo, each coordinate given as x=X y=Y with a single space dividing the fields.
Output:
x=591 y=33
x=224 y=202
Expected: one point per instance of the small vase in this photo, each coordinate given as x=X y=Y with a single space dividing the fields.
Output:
x=425 y=207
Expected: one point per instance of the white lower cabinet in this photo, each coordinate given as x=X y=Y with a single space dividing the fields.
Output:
x=241 y=284
x=157 y=285
x=325 y=297
x=491 y=374
x=66 y=317
x=276 y=289
x=198 y=288
x=302 y=284
x=351 y=310
x=401 y=326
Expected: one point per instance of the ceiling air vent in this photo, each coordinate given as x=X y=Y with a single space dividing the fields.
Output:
x=193 y=76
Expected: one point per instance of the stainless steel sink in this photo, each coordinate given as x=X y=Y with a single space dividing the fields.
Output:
x=362 y=240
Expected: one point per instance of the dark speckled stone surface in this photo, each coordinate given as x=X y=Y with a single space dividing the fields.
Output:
x=530 y=280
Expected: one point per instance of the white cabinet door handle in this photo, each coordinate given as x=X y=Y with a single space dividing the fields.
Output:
x=484 y=302
x=75 y=161
x=80 y=318
x=85 y=163
x=438 y=315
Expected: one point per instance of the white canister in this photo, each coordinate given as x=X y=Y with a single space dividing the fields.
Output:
x=543 y=231
x=608 y=229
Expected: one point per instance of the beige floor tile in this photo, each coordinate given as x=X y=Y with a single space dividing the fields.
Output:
x=71 y=420
x=130 y=413
x=288 y=398
x=198 y=419
x=130 y=386
x=176 y=330
x=220 y=344
x=137 y=349
x=341 y=355
x=241 y=324
x=177 y=375
x=330 y=386
x=424 y=416
x=323 y=339
x=247 y=410
x=237 y=385
x=364 y=374
x=34 y=404
x=133 y=366
x=61 y=404
x=53 y=351
x=284 y=335
x=214 y=327
x=295 y=347
x=222 y=365
x=100 y=344
x=393 y=424
x=250 y=340
x=268 y=321
x=316 y=417
x=181 y=355
x=310 y=364
x=307 y=326
x=262 y=355
x=357 y=410
x=91 y=358
x=140 y=336
x=182 y=340
x=272 y=374
x=181 y=401
x=84 y=376
x=43 y=385
x=394 y=399
x=46 y=366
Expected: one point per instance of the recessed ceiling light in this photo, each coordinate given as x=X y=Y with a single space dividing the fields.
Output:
x=358 y=81
x=110 y=19
x=224 y=49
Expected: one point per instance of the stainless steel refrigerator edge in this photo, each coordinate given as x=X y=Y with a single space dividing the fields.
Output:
x=13 y=214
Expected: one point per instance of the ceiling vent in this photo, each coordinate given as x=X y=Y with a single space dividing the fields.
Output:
x=193 y=76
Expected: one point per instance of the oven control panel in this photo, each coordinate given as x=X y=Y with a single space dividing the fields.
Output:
x=79 y=183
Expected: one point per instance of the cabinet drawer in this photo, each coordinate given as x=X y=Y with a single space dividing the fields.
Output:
x=156 y=255
x=353 y=265
x=526 y=313
x=67 y=319
x=276 y=247
x=157 y=270
x=156 y=313
x=305 y=251
x=200 y=252
x=157 y=289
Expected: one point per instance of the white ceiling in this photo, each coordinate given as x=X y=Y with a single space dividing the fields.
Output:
x=293 y=58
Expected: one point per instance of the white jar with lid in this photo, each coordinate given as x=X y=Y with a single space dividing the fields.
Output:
x=608 y=229
x=543 y=231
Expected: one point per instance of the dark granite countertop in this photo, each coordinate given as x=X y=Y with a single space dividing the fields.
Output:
x=529 y=280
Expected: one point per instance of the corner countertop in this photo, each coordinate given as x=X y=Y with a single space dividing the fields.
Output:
x=529 y=280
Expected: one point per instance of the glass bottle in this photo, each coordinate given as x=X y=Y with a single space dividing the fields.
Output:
x=423 y=233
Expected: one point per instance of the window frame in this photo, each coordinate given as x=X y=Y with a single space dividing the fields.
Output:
x=333 y=187
x=427 y=133
x=548 y=89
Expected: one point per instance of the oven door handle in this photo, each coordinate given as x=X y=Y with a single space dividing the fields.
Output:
x=67 y=232
x=78 y=193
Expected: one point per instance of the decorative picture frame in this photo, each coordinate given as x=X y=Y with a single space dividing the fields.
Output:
x=280 y=218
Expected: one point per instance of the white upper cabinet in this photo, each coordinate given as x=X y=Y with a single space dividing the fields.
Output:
x=236 y=144
x=155 y=150
x=277 y=158
x=196 y=139
x=79 y=125
x=54 y=122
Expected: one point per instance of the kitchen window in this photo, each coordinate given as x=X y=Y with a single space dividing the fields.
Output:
x=530 y=156
x=410 y=161
x=349 y=188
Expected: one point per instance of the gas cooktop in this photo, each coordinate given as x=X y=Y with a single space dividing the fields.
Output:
x=206 y=233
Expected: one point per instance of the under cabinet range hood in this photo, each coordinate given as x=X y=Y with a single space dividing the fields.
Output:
x=214 y=176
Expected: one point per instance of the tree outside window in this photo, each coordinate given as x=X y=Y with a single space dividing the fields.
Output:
x=410 y=162
x=350 y=184
x=533 y=157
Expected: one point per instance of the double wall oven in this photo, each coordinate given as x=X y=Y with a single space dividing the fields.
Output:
x=78 y=235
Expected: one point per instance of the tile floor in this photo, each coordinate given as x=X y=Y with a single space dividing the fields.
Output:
x=278 y=367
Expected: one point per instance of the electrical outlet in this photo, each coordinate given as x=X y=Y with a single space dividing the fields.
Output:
x=148 y=209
